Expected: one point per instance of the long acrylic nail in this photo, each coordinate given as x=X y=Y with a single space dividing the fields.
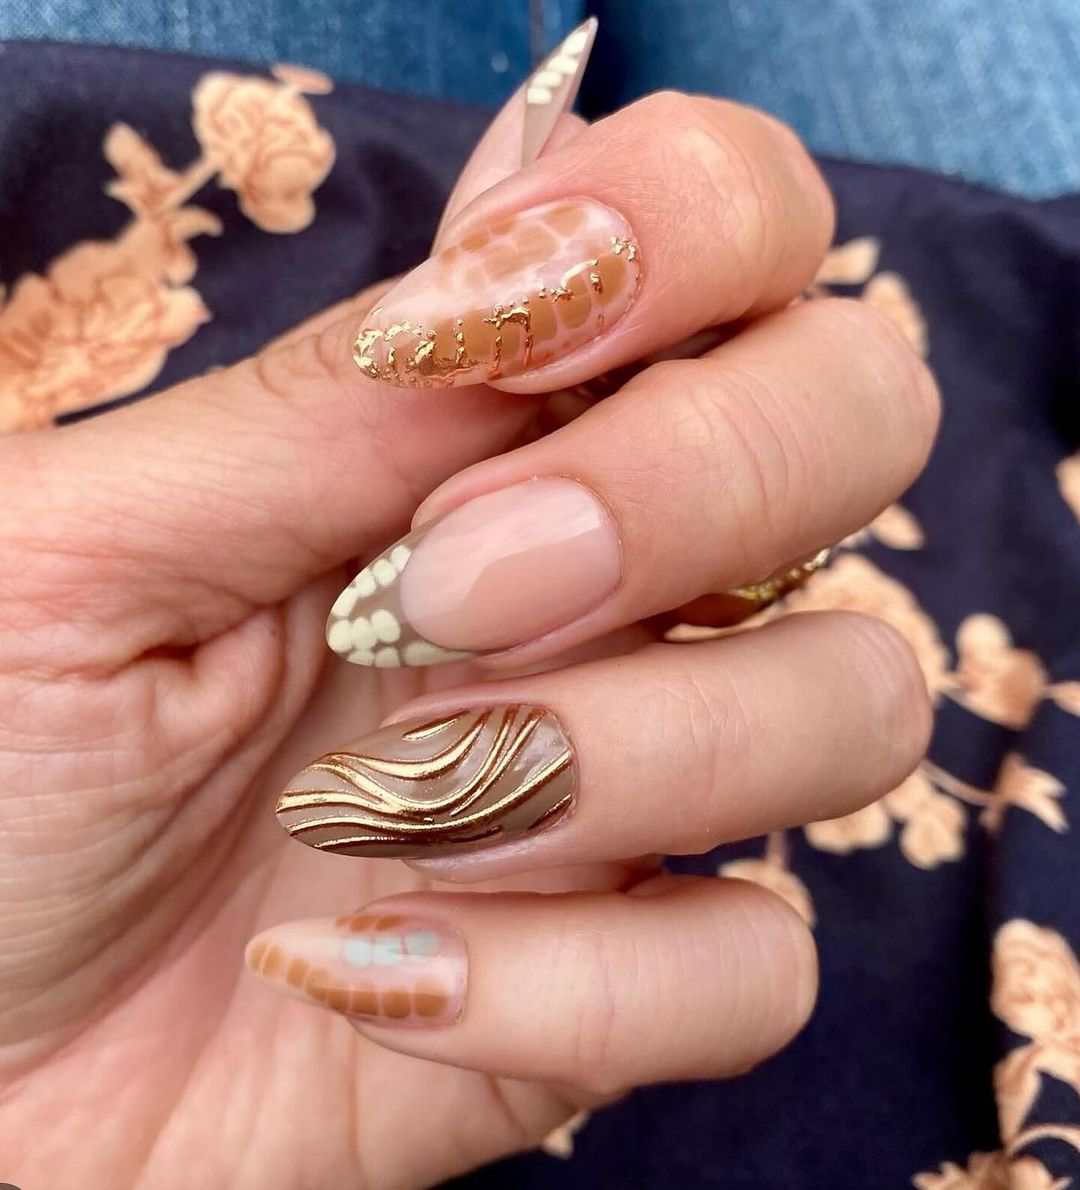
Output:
x=388 y=968
x=501 y=570
x=511 y=296
x=436 y=785
x=552 y=88
x=524 y=124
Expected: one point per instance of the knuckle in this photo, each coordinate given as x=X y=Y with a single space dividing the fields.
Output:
x=595 y=971
x=735 y=432
x=722 y=172
x=904 y=384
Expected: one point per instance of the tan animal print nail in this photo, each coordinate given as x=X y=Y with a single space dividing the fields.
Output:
x=510 y=297
x=390 y=968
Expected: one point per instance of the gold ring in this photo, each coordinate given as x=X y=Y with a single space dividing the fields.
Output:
x=771 y=589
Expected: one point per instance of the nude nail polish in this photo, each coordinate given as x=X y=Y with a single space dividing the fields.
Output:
x=386 y=968
x=436 y=786
x=500 y=570
x=510 y=296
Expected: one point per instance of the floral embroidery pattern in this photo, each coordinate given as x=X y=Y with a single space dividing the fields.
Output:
x=992 y=679
x=1068 y=477
x=855 y=264
x=559 y=1142
x=772 y=872
x=99 y=324
x=1036 y=992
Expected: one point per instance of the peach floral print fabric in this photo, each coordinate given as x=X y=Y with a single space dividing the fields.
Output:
x=102 y=319
x=1036 y=993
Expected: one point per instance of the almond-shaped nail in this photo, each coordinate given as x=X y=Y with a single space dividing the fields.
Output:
x=386 y=968
x=512 y=295
x=435 y=786
x=500 y=570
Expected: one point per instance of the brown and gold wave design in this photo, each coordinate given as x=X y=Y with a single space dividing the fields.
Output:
x=471 y=777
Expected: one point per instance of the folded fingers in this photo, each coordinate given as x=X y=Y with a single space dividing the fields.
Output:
x=684 y=978
x=698 y=476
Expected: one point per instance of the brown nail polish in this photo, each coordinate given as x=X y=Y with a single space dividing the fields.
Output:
x=388 y=968
x=512 y=296
x=429 y=786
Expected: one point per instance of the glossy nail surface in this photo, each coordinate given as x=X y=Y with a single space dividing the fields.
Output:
x=391 y=969
x=552 y=88
x=429 y=786
x=501 y=570
x=512 y=295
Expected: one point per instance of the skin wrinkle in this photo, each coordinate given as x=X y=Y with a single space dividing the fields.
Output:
x=167 y=826
x=266 y=873
x=595 y=962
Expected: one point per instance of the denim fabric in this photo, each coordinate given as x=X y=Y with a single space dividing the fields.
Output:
x=987 y=90
x=471 y=50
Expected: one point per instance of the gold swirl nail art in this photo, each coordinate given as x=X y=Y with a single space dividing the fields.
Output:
x=477 y=776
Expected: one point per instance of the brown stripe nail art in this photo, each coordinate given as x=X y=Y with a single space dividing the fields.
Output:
x=476 y=776
x=392 y=969
x=511 y=296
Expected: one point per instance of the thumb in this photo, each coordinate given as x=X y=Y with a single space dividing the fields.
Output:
x=174 y=518
x=168 y=521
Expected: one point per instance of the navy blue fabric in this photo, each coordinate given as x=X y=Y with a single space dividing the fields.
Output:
x=893 y=1075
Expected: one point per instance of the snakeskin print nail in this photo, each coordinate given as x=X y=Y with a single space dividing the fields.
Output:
x=389 y=968
x=439 y=784
x=512 y=296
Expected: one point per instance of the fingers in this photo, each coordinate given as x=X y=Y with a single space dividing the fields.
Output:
x=672 y=215
x=690 y=978
x=176 y=516
x=672 y=749
x=533 y=120
x=698 y=476
x=256 y=478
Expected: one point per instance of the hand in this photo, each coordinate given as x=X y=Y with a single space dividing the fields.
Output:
x=168 y=571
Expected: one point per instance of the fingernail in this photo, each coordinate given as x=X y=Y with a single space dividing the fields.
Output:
x=501 y=570
x=525 y=123
x=435 y=785
x=512 y=295
x=390 y=969
x=552 y=88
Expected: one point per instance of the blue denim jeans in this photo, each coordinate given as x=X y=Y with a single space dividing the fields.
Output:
x=988 y=90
